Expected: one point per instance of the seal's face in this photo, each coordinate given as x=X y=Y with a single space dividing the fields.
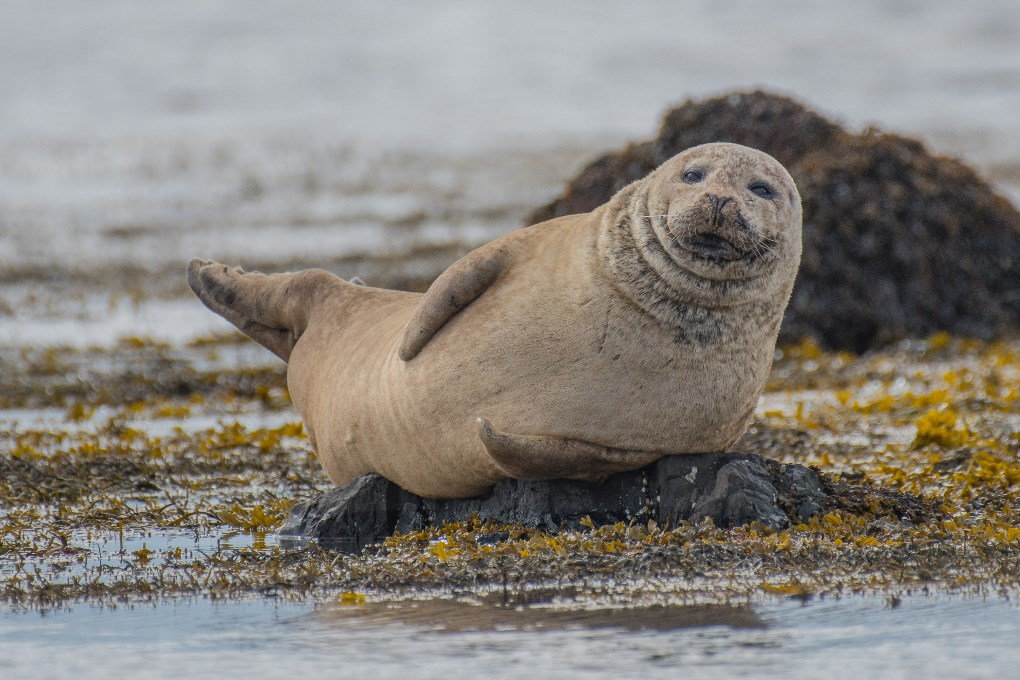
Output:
x=726 y=212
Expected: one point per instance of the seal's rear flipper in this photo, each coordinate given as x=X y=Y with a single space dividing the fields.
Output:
x=536 y=458
x=271 y=309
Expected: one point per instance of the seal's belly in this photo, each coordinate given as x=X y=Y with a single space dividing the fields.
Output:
x=656 y=397
x=599 y=372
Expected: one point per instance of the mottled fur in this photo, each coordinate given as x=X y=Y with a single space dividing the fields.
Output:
x=575 y=348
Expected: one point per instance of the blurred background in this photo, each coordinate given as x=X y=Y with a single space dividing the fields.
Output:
x=385 y=139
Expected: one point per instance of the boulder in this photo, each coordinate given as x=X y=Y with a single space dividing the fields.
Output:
x=732 y=489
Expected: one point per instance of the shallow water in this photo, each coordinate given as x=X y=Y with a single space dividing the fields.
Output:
x=850 y=638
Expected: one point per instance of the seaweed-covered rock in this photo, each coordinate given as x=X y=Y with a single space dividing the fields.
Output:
x=349 y=517
x=897 y=242
x=732 y=489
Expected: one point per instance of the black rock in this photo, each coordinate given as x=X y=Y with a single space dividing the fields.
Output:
x=549 y=505
x=491 y=537
x=346 y=518
x=732 y=489
x=803 y=489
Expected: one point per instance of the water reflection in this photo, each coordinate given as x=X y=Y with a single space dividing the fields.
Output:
x=455 y=616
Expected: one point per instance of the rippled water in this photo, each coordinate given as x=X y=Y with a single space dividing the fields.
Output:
x=851 y=638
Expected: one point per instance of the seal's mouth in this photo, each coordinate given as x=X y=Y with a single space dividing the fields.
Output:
x=713 y=247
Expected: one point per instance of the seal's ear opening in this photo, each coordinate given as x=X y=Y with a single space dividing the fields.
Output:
x=535 y=458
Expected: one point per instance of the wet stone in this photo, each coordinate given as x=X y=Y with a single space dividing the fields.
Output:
x=492 y=537
x=548 y=505
x=733 y=489
x=346 y=518
x=804 y=489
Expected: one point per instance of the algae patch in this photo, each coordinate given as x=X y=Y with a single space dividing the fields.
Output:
x=145 y=471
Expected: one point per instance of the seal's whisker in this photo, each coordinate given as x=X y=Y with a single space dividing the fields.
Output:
x=764 y=245
x=683 y=231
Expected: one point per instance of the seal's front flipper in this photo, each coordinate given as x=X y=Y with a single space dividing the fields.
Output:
x=271 y=309
x=535 y=458
x=455 y=289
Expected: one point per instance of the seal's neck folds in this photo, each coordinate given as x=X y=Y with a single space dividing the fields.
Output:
x=699 y=310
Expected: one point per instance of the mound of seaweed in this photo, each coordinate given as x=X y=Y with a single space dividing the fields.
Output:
x=897 y=242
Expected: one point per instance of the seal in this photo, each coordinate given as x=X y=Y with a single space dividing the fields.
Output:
x=575 y=348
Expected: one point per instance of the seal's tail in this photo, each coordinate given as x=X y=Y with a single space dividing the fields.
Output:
x=271 y=309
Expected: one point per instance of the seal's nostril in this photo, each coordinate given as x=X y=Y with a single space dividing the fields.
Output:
x=718 y=202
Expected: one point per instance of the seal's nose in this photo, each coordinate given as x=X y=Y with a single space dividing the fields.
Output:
x=718 y=203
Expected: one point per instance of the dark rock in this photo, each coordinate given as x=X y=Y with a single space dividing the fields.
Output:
x=346 y=518
x=548 y=505
x=804 y=491
x=898 y=242
x=953 y=461
x=732 y=489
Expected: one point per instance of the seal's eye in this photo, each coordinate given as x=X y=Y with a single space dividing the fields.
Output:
x=693 y=176
x=761 y=189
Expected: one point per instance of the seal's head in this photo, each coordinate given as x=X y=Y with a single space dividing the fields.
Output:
x=716 y=227
x=726 y=212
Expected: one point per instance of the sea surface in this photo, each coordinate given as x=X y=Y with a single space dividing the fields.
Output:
x=383 y=140
x=851 y=638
